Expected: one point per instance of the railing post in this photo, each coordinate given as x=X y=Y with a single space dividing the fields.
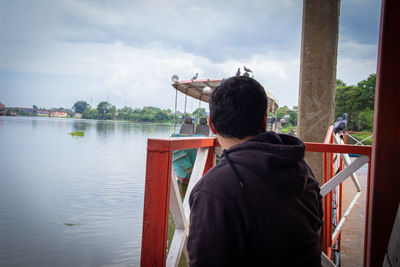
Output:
x=156 y=203
x=325 y=203
x=210 y=160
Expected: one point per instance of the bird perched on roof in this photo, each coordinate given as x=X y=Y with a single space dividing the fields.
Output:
x=195 y=77
x=246 y=74
x=238 y=72
x=247 y=69
x=340 y=125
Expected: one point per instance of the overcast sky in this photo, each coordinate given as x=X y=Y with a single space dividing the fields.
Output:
x=54 y=53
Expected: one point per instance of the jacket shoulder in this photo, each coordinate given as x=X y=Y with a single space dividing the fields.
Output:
x=220 y=182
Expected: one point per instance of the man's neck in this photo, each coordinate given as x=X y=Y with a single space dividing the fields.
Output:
x=227 y=142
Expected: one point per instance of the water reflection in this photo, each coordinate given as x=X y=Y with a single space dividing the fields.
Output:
x=80 y=125
x=72 y=201
x=105 y=128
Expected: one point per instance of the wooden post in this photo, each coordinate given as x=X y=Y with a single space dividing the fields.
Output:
x=384 y=185
x=156 y=203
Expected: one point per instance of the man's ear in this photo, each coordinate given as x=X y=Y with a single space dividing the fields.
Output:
x=212 y=128
x=265 y=122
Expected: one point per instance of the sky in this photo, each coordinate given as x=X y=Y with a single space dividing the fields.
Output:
x=54 y=53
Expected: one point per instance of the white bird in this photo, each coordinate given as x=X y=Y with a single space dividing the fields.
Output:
x=246 y=74
x=246 y=69
x=195 y=77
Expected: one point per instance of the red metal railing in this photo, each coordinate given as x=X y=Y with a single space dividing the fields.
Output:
x=157 y=193
x=158 y=186
x=333 y=163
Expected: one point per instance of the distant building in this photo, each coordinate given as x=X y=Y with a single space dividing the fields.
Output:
x=59 y=114
x=42 y=113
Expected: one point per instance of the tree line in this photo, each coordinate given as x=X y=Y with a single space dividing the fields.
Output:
x=107 y=111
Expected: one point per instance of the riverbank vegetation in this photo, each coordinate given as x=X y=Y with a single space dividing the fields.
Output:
x=107 y=111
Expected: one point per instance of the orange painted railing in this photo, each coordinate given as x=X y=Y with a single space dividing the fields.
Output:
x=157 y=193
x=158 y=188
x=333 y=164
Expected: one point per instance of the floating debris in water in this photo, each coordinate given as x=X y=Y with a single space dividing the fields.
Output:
x=71 y=224
x=77 y=133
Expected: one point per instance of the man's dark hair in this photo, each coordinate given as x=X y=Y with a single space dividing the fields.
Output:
x=238 y=106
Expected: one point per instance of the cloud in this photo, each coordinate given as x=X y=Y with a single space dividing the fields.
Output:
x=91 y=13
x=130 y=49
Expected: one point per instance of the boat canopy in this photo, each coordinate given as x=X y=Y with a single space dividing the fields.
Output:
x=195 y=90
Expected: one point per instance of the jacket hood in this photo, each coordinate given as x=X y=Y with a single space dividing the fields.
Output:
x=279 y=158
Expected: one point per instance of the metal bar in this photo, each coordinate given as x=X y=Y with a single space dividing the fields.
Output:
x=325 y=261
x=347 y=160
x=341 y=176
x=176 y=103
x=336 y=148
x=328 y=134
x=178 y=143
x=175 y=204
x=156 y=205
x=361 y=142
x=330 y=211
x=336 y=234
x=325 y=244
x=342 y=219
x=195 y=142
x=358 y=132
x=176 y=247
x=210 y=162
x=180 y=221
x=340 y=203
x=197 y=173
x=352 y=137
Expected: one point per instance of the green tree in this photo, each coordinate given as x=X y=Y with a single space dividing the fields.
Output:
x=90 y=113
x=80 y=106
x=35 y=107
x=196 y=111
x=293 y=118
x=367 y=88
x=340 y=83
x=365 y=119
x=357 y=101
x=103 y=108
x=281 y=111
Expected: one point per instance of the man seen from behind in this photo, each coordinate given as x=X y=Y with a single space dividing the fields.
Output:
x=260 y=206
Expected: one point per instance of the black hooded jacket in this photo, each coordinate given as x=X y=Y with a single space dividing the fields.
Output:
x=273 y=220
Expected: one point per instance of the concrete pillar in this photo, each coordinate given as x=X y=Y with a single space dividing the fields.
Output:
x=317 y=74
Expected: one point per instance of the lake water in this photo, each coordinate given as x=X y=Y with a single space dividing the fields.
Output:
x=72 y=201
